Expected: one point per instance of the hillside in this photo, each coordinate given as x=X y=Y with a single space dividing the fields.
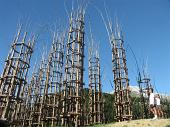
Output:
x=140 y=123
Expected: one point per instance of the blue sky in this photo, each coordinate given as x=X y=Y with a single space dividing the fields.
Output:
x=145 y=23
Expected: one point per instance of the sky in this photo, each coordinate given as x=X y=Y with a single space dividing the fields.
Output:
x=145 y=24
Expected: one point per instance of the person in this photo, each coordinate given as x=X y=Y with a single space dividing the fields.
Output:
x=158 y=106
x=152 y=106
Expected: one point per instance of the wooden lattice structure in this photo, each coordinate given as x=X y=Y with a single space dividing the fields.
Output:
x=120 y=72
x=31 y=92
x=13 y=78
x=121 y=81
x=37 y=114
x=73 y=80
x=144 y=83
x=144 y=86
x=86 y=107
x=95 y=93
x=52 y=105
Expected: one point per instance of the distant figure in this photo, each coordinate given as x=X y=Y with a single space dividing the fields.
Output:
x=152 y=105
x=158 y=106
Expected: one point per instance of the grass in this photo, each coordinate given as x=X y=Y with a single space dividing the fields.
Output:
x=98 y=125
x=125 y=126
x=138 y=123
x=149 y=124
